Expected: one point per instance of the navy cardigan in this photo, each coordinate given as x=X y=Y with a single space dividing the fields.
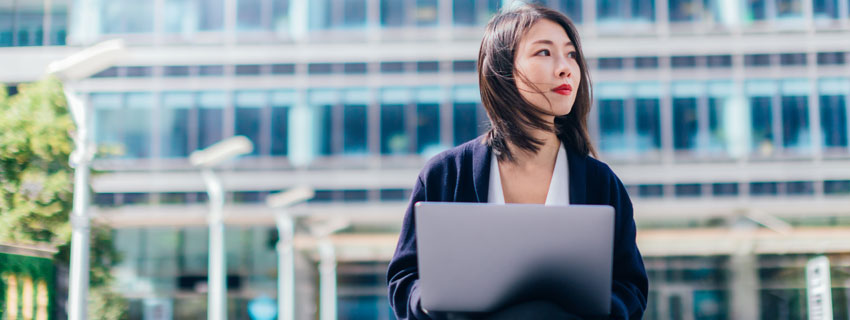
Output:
x=462 y=174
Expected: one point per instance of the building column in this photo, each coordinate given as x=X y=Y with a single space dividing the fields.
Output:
x=744 y=289
x=327 y=280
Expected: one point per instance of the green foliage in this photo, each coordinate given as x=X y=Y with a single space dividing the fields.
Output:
x=37 y=269
x=36 y=186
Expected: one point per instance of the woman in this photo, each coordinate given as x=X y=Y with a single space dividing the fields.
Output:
x=535 y=87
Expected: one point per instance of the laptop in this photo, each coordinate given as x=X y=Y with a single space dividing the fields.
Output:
x=478 y=257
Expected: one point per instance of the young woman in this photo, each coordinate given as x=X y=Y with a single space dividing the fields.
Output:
x=535 y=87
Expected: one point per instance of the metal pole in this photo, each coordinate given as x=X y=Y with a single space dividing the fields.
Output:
x=327 y=279
x=286 y=266
x=217 y=297
x=80 y=158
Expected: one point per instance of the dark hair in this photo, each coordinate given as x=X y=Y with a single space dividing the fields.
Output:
x=511 y=116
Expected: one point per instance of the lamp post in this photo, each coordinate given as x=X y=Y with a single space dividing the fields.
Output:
x=70 y=70
x=285 y=222
x=327 y=265
x=206 y=160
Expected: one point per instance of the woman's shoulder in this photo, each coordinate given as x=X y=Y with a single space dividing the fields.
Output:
x=601 y=172
x=455 y=159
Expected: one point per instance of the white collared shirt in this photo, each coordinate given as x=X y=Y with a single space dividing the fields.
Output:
x=559 y=186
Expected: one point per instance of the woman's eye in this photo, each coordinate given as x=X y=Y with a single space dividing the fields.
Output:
x=544 y=52
x=572 y=55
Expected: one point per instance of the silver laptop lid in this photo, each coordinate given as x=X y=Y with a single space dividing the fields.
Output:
x=476 y=257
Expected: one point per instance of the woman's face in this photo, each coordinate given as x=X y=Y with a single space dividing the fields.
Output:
x=547 y=58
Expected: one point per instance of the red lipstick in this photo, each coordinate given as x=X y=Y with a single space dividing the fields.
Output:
x=563 y=89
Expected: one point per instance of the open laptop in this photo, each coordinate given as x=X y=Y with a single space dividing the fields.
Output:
x=477 y=257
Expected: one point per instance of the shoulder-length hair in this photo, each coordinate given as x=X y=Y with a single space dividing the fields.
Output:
x=512 y=117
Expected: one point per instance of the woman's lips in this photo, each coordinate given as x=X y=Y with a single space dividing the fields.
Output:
x=563 y=89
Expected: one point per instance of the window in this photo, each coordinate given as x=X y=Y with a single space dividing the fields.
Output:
x=426 y=12
x=825 y=9
x=572 y=9
x=392 y=67
x=763 y=188
x=393 y=194
x=354 y=68
x=354 y=129
x=651 y=190
x=724 y=189
x=608 y=11
x=789 y=8
x=354 y=13
x=394 y=139
x=833 y=118
x=472 y=12
x=683 y=61
x=176 y=71
x=322 y=129
x=210 y=118
x=393 y=13
x=319 y=68
x=716 y=123
x=126 y=16
x=427 y=66
x=612 y=125
x=648 y=124
x=465 y=122
x=176 y=109
x=138 y=72
x=684 y=123
x=646 y=62
x=830 y=58
x=280 y=104
x=610 y=63
x=123 y=121
x=684 y=10
x=756 y=10
x=800 y=188
x=792 y=59
x=757 y=60
x=211 y=70
x=248 y=116
x=189 y=16
x=688 y=190
x=427 y=126
x=463 y=66
x=58 y=23
x=285 y=68
x=110 y=72
x=247 y=69
x=249 y=14
x=836 y=187
x=719 y=61
x=762 y=124
x=795 y=122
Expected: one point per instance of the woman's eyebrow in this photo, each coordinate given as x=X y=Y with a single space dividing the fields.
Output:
x=549 y=42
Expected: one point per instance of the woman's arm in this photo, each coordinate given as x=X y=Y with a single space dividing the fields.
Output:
x=629 y=283
x=403 y=273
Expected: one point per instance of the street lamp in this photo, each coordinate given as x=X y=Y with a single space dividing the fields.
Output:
x=327 y=265
x=70 y=70
x=206 y=160
x=285 y=247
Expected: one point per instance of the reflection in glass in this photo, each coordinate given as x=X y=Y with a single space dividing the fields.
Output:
x=427 y=126
x=685 y=123
x=648 y=124
x=354 y=129
x=762 y=124
x=210 y=118
x=426 y=12
x=795 y=122
x=393 y=13
x=833 y=118
x=612 y=125
x=248 y=112
x=394 y=139
x=280 y=134
x=136 y=123
x=465 y=122
x=176 y=108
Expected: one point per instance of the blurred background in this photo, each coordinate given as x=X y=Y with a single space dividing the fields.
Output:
x=727 y=120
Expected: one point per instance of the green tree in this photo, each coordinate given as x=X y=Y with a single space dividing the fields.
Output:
x=36 y=186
